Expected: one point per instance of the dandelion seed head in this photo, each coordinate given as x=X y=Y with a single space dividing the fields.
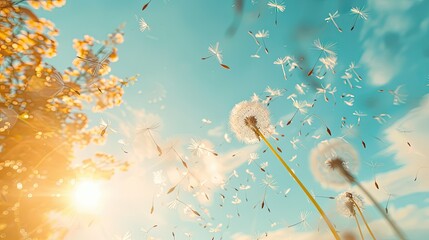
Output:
x=346 y=203
x=247 y=116
x=328 y=158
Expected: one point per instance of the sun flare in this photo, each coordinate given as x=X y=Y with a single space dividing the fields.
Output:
x=87 y=196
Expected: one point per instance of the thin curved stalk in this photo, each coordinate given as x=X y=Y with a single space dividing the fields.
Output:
x=390 y=221
x=358 y=225
x=295 y=177
x=350 y=178
x=364 y=220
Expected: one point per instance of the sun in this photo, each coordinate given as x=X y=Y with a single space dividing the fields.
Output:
x=87 y=196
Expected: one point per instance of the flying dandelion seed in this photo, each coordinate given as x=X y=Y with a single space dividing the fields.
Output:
x=287 y=61
x=254 y=37
x=215 y=51
x=123 y=145
x=281 y=62
x=398 y=97
x=143 y=25
x=418 y=171
x=301 y=88
x=347 y=76
x=324 y=90
x=199 y=149
x=277 y=7
x=105 y=126
x=373 y=166
x=329 y=63
x=262 y=35
x=149 y=131
x=359 y=114
x=360 y=13
x=303 y=221
x=301 y=107
x=146 y=5
x=331 y=18
x=227 y=138
x=381 y=118
x=352 y=68
x=324 y=49
x=147 y=232
x=95 y=64
x=269 y=183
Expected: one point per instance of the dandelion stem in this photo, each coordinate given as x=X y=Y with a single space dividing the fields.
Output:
x=358 y=225
x=390 y=221
x=364 y=220
x=310 y=197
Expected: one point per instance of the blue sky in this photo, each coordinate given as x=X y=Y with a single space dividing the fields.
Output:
x=390 y=49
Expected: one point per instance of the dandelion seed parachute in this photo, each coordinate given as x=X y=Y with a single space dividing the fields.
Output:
x=246 y=110
x=321 y=157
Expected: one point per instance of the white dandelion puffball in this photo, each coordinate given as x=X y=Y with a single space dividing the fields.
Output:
x=246 y=115
x=321 y=162
x=347 y=202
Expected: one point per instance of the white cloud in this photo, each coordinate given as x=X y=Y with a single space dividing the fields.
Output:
x=411 y=219
x=217 y=131
x=401 y=181
x=389 y=33
x=129 y=195
x=285 y=233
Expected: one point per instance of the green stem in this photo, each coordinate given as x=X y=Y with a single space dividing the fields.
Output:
x=310 y=197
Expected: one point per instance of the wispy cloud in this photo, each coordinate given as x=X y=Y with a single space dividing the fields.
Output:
x=136 y=189
x=408 y=144
x=390 y=32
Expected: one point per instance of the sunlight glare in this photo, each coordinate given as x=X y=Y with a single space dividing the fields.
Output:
x=87 y=195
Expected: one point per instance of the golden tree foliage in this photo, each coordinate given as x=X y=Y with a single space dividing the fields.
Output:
x=43 y=118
